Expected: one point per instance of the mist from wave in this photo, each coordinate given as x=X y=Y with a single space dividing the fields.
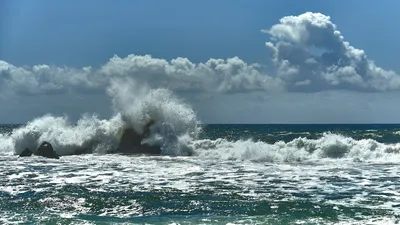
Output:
x=178 y=132
x=175 y=124
x=329 y=146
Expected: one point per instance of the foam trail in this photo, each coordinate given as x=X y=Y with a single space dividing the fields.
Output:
x=329 y=146
x=175 y=126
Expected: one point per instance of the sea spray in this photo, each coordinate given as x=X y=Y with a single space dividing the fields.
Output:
x=175 y=129
x=6 y=144
x=329 y=146
x=89 y=134
x=175 y=124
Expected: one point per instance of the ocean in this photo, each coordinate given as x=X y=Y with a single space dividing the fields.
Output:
x=204 y=174
x=237 y=174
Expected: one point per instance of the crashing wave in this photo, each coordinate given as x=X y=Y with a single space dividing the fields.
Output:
x=173 y=125
x=162 y=121
x=329 y=146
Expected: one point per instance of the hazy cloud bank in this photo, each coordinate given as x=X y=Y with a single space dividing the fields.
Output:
x=308 y=51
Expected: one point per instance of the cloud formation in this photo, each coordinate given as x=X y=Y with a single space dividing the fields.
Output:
x=45 y=79
x=309 y=55
x=180 y=74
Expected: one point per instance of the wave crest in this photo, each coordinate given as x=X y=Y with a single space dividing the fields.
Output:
x=174 y=127
x=329 y=146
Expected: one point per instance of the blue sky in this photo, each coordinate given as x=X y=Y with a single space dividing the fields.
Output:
x=90 y=32
x=74 y=34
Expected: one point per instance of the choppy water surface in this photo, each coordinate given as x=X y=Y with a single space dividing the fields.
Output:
x=235 y=174
x=193 y=190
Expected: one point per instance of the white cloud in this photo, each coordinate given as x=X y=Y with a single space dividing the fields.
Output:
x=309 y=54
x=310 y=47
x=44 y=79
x=180 y=74
x=304 y=82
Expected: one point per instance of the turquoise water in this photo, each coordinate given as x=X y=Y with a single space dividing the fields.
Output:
x=238 y=174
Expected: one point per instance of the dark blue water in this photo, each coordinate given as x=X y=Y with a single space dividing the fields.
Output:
x=271 y=133
x=239 y=174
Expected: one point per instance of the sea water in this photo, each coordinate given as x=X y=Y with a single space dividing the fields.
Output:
x=206 y=174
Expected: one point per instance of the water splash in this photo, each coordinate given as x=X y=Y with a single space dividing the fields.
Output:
x=329 y=146
x=175 y=124
x=175 y=128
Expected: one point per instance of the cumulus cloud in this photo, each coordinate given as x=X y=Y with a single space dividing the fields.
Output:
x=180 y=74
x=44 y=79
x=230 y=75
x=311 y=54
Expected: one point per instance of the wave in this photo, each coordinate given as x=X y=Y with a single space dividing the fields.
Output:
x=176 y=130
x=175 y=124
x=329 y=146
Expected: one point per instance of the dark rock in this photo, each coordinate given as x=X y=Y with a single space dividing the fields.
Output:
x=131 y=142
x=27 y=152
x=87 y=147
x=83 y=151
x=46 y=150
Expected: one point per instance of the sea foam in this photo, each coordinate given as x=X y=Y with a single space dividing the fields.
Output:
x=329 y=146
x=176 y=130
x=175 y=124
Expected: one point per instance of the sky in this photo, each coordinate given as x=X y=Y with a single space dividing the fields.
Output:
x=240 y=61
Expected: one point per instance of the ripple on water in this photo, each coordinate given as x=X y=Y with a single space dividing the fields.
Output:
x=139 y=189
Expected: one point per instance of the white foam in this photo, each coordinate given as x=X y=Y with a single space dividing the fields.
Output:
x=175 y=124
x=6 y=144
x=255 y=181
x=176 y=129
x=329 y=146
x=66 y=137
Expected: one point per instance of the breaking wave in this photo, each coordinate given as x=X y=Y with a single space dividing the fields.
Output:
x=175 y=124
x=176 y=131
x=329 y=146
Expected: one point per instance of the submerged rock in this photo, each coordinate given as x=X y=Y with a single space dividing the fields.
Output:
x=27 y=152
x=131 y=142
x=46 y=150
x=87 y=148
x=83 y=150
